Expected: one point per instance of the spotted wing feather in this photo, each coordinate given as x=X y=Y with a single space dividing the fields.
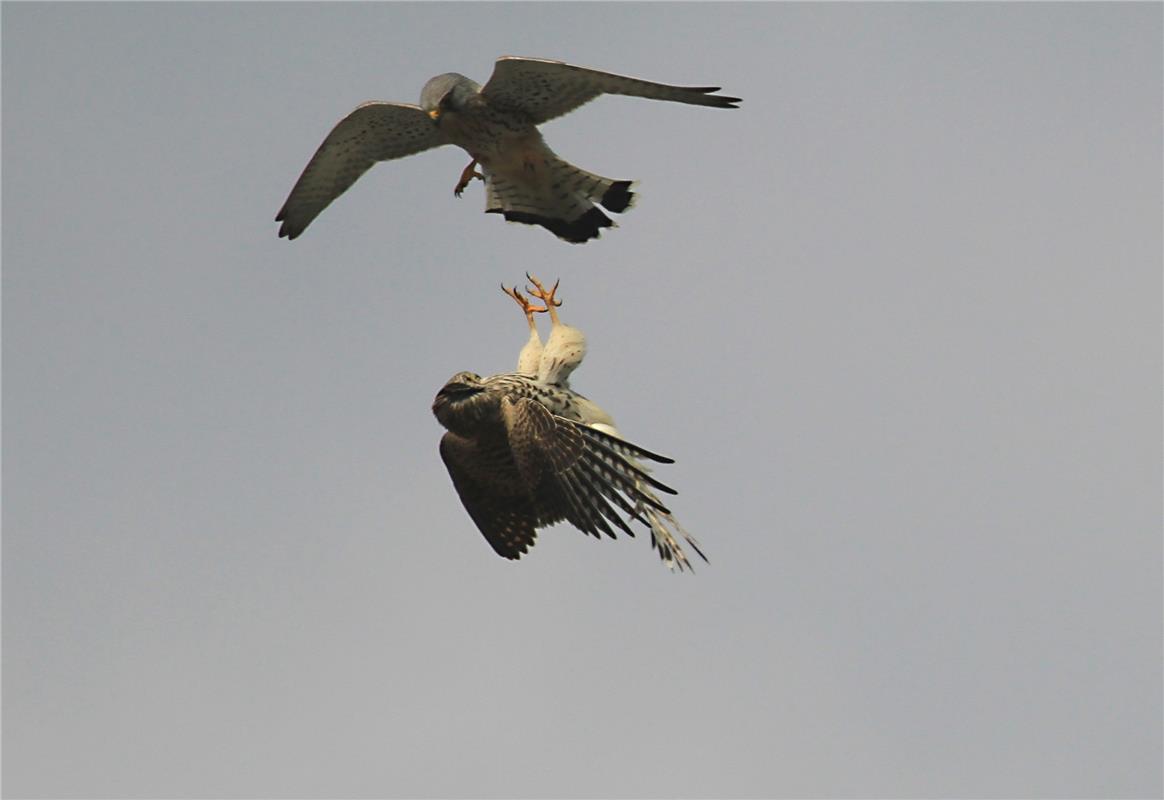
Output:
x=373 y=132
x=491 y=489
x=542 y=89
x=580 y=474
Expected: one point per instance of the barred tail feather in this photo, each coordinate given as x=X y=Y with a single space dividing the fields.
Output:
x=560 y=197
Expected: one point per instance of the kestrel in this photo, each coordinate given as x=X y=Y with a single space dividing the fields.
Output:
x=525 y=451
x=497 y=125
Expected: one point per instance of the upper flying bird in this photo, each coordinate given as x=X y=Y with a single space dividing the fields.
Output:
x=497 y=125
x=524 y=451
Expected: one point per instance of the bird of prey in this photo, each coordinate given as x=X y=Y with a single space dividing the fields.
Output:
x=524 y=451
x=497 y=125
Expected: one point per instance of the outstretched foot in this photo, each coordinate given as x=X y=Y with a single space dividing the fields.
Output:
x=548 y=298
x=467 y=175
x=525 y=304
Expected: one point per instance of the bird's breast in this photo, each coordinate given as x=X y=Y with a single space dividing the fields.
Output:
x=520 y=157
x=491 y=138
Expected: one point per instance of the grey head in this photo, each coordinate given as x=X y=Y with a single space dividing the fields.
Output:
x=448 y=92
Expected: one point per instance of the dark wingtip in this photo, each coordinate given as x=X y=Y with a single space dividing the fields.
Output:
x=286 y=229
x=718 y=101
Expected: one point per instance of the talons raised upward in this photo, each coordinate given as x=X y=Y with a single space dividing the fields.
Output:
x=546 y=297
x=527 y=308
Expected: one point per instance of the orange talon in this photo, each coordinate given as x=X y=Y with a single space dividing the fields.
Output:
x=525 y=304
x=467 y=175
x=548 y=298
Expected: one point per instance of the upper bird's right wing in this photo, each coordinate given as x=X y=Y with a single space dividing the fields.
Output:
x=373 y=132
x=544 y=89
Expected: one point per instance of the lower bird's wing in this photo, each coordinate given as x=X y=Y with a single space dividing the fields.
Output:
x=373 y=132
x=543 y=89
x=492 y=491
x=538 y=468
x=575 y=472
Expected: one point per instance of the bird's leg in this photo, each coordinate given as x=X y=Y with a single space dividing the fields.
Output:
x=525 y=304
x=467 y=175
x=548 y=298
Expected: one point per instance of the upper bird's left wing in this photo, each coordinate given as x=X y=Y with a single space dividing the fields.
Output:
x=543 y=89
x=373 y=132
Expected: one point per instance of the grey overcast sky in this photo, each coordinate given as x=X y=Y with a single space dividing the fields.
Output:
x=897 y=319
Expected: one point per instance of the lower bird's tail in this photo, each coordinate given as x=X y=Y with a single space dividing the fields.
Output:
x=560 y=197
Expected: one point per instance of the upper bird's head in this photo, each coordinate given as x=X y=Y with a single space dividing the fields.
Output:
x=448 y=92
x=461 y=402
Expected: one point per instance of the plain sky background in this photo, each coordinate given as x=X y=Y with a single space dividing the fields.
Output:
x=897 y=319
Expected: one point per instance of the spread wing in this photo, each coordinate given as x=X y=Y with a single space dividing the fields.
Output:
x=373 y=132
x=539 y=469
x=543 y=89
x=492 y=491
x=581 y=474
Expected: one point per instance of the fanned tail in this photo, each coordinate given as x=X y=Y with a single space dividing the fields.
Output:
x=560 y=197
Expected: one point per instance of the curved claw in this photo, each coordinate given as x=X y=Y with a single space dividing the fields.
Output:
x=467 y=175
x=527 y=308
x=548 y=298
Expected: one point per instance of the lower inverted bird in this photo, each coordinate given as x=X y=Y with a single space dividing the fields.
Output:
x=496 y=124
x=525 y=451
